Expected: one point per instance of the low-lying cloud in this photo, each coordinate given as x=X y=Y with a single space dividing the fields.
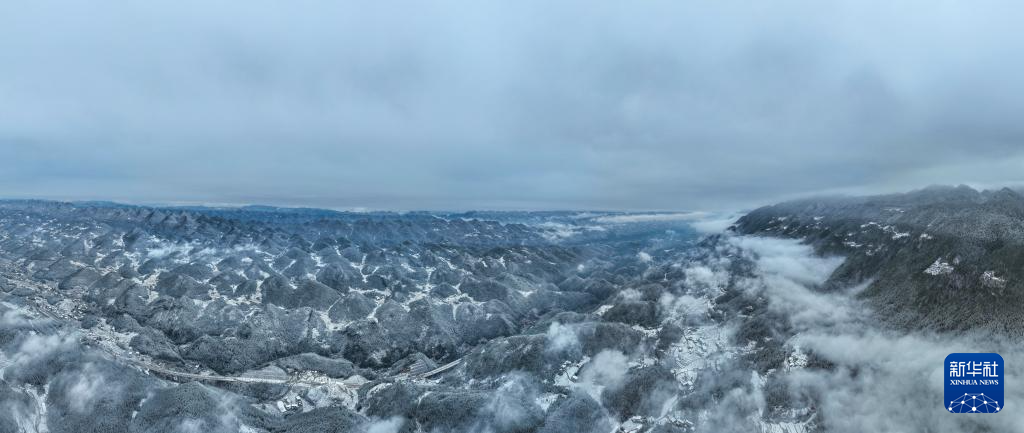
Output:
x=883 y=379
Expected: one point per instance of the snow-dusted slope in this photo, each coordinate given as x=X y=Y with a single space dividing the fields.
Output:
x=116 y=318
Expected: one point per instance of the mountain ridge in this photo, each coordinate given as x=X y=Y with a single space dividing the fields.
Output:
x=946 y=258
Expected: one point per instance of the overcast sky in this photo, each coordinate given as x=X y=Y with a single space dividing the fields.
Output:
x=516 y=104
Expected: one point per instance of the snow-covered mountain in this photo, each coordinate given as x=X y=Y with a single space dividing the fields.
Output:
x=941 y=258
x=260 y=319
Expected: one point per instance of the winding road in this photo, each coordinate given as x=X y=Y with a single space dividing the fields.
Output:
x=114 y=351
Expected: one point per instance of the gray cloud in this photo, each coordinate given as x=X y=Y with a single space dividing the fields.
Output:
x=390 y=425
x=561 y=337
x=457 y=104
x=606 y=371
x=89 y=385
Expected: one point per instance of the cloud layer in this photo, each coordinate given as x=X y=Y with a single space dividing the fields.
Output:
x=457 y=104
x=882 y=380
